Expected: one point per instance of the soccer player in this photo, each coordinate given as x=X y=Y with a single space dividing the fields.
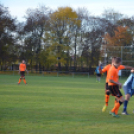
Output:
x=22 y=69
x=128 y=88
x=98 y=74
x=107 y=91
x=114 y=86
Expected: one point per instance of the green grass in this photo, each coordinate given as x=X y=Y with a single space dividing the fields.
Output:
x=59 y=105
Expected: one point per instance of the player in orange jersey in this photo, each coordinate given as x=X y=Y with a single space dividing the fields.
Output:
x=114 y=85
x=107 y=91
x=22 y=69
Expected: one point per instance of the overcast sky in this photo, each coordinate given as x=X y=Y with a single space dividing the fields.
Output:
x=17 y=8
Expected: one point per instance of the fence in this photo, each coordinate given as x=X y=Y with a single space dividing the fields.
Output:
x=126 y=53
x=124 y=73
x=47 y=73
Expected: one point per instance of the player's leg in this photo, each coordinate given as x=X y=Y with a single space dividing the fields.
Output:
x=127 y=97
x=96 y=77
x=24 y=80
x=23 y=75
x=114 y=111
x=127 y=91
x=20 y=80
x=99 y=77
x=118 y=104
x=116 y=101
x=107 y=96
x=120 y=99
x=20 y=77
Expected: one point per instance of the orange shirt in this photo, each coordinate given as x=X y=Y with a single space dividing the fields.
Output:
x=105 y=69
x=113 y=74
x=22 y=67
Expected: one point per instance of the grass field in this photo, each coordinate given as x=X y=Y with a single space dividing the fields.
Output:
x=59 y=105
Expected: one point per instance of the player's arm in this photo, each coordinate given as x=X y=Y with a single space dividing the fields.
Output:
x=103 y=70
x=129 y=67
x=19 y=68
x=26 y=69
x=121 y=67
x=117 y=83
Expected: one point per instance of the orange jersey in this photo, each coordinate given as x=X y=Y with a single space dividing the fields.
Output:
x=113 y=74
x=22 y=67
x=105 y=69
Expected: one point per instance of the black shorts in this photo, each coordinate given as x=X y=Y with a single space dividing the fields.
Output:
x=99 y=75
x=106 y=86
x=22 y=73
x=115 y=91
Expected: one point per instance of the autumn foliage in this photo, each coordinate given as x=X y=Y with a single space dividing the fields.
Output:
x=121 y=37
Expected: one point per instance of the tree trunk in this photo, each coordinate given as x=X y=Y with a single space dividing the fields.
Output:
x=75 y=52
x=31 y=65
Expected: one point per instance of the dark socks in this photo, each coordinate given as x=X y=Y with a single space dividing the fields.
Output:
x=125 y=105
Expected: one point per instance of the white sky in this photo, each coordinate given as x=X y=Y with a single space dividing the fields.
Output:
x=17 y=8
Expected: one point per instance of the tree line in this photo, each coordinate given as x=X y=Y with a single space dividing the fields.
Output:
x=62 y=39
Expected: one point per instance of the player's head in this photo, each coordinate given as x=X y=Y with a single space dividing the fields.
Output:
x=132 y=71
x=117 y=61
x=113 y=58
x=23 y=61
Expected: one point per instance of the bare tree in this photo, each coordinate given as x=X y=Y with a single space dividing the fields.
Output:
x=36 y=25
